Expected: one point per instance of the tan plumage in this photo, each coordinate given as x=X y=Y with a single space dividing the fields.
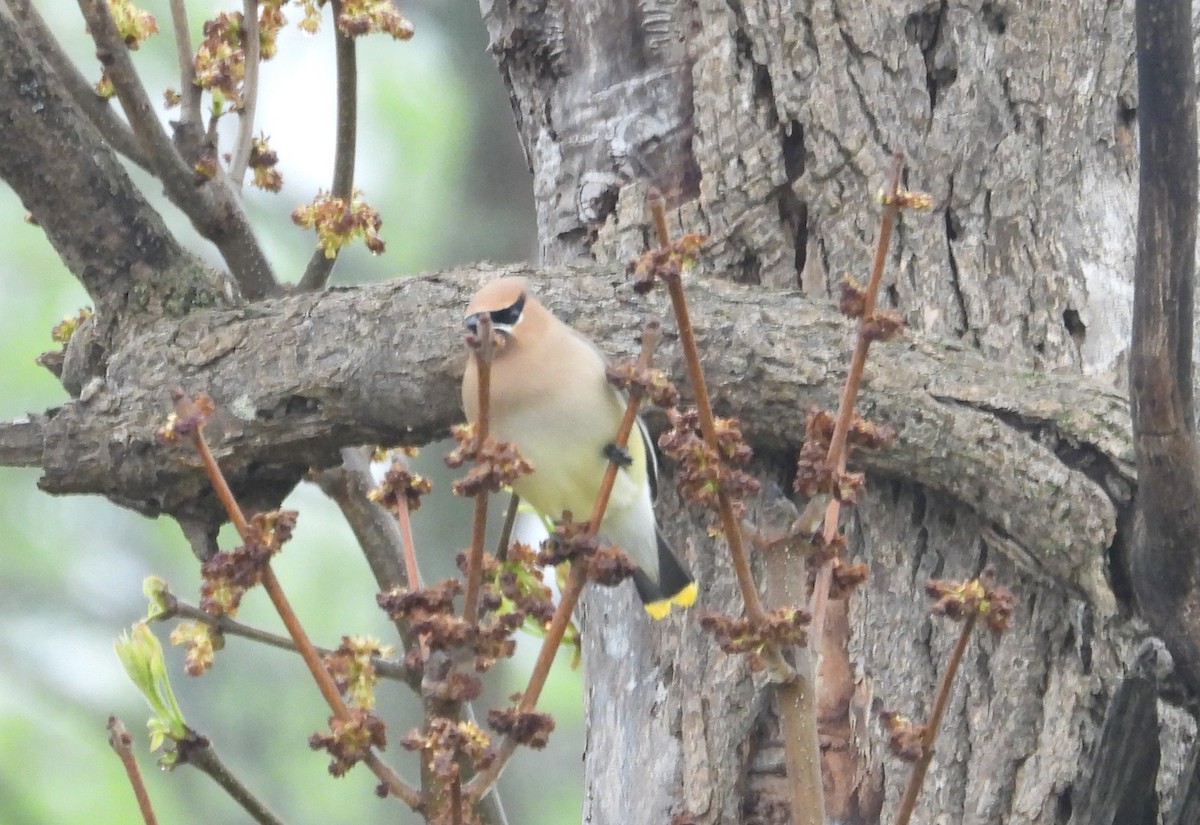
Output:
x=551 y=398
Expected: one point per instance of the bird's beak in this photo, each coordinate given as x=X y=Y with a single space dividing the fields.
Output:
x=471 y=322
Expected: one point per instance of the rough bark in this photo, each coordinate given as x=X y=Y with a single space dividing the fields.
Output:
x=1045 y=461
x=1122 y=785
x=74 y=186
x=1165 y=572
x=769 y=125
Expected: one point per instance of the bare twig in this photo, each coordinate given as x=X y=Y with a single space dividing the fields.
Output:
x=114 y=130
x=122 y=742
x=163 y=157
x=213 y=209
x=308 y=652
x=199 y=753
x=909 y=800
x=691 y=355
x=320 y=266
x=845 y=415
x=483 y=365
x=245 y=135
x=189 y=92
x=386 y=668
x=794 y=689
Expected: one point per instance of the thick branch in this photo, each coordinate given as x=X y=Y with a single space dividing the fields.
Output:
x=298 y=378
x=98 y=110
x=1166 y=575
x=21 y=442
x=212 y=206
x=75 y=188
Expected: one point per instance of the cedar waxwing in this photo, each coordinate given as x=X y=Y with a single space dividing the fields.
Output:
x=550 y=397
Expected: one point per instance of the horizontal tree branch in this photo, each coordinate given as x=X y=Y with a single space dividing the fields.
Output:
x=1045 y=460
x=21 y=442
x=386 y=668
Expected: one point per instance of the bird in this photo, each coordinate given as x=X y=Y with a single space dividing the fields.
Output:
x=551 y=398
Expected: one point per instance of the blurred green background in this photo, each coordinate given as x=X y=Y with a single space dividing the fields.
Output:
x=438 y=156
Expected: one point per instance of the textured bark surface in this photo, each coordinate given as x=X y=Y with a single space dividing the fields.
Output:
x=1044 y=460
x=73 y=185
x=769 y=126
x=1164 y=565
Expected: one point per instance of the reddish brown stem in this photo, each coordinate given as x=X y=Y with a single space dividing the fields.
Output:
x=554 y=634
x=858 y=361
x=304 y=646
x=411 y=570
x=483 y=366
x=483 y=781
x=908 y=802
x=651 y=336
x=794 y=694
x=122 y=742
x=221 y=486
x=576 y=579
x=691 y=355
x=456 y=802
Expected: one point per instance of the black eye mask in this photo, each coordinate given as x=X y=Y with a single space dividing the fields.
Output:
x=507 y=318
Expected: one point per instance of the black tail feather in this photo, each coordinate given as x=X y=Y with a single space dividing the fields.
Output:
x=673 y=576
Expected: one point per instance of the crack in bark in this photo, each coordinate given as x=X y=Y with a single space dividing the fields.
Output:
x=925 y=29
x=960 y=297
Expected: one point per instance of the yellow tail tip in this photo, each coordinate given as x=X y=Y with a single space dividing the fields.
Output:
x=662 y=608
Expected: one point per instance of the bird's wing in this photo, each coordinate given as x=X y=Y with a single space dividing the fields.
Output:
x=651 y=458
x=647 y=441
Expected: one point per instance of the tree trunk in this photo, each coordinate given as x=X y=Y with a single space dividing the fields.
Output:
x=769 y=127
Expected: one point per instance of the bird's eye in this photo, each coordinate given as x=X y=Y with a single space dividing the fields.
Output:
x=509 y=316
